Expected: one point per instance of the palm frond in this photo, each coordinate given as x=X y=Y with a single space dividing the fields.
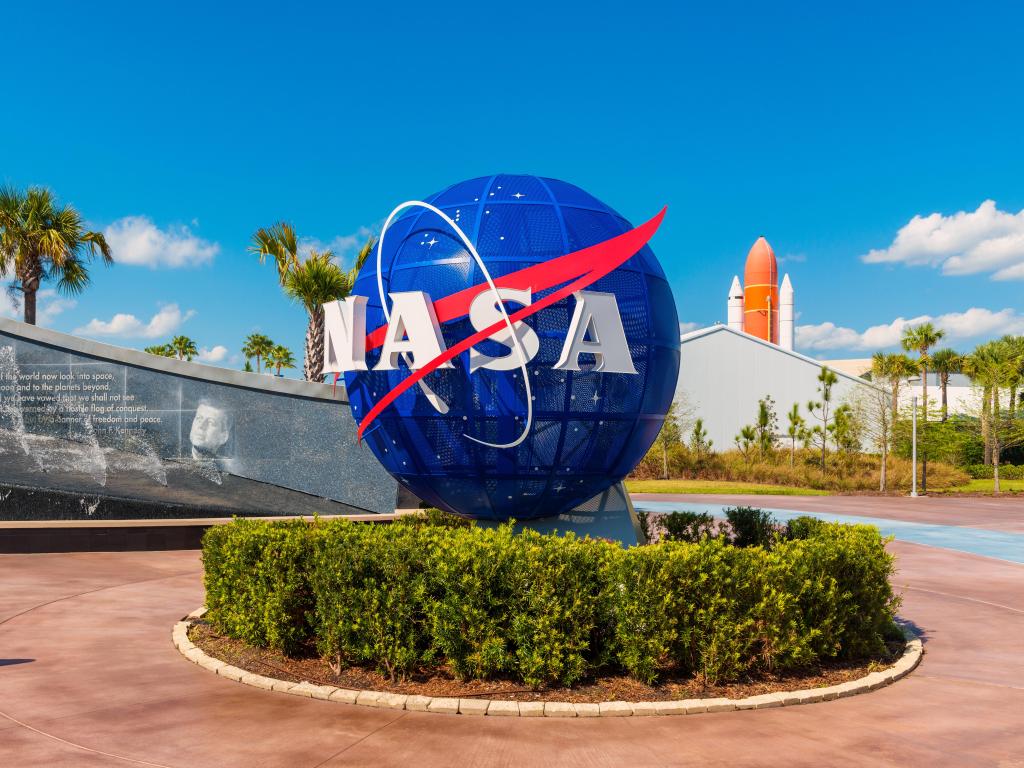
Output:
x=279 y=243
x=71 y=275
x=317 y=281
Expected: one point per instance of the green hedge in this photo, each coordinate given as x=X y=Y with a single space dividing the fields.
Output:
x=988 y=472
x=547 y=609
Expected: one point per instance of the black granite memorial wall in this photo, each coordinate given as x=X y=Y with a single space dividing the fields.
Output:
x=92 y=431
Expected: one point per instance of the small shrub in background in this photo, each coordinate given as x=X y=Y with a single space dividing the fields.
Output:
x=988 y=472
x=847 y=472
x=803 y=527
x=689 y=526
x=647 y=525
x=435 y=516
x=751 y=527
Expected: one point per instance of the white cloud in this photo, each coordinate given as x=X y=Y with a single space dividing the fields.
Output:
x=966 y=243
x=49 y=304
x=688 y=327
x=136 y=240
x=344 y=247
x=973 y=323
x=8 y=307
x=165 y=322
x=215 y=354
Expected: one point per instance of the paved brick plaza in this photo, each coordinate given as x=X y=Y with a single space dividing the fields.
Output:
x=89 y=677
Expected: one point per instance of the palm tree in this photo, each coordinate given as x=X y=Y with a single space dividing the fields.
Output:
x=162 y=350
x=979 y=365
x=183 y=348
x=280 y=357
x=946 y=362
x=892 y=369
x=312 y=282
x=994 y=366
x=1014 y=346
x=920 y=339
x=257 y=346
x=40 y=241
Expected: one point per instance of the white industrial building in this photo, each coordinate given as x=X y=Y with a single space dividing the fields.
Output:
x=724 y=372
x=962 y=396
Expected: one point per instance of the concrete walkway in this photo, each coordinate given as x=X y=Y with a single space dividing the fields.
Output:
x=88 y=677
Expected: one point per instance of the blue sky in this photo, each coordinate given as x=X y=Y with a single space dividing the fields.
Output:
x=183 y=129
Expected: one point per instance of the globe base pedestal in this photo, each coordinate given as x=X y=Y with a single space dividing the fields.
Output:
x=609 y=515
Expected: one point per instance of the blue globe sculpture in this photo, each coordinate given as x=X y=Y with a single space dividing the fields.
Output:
x=589 y=429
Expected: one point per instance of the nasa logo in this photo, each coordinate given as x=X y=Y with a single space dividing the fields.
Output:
x=493 y=308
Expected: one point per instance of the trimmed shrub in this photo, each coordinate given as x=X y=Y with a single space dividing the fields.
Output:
x=477 y=579
x=369 y=584
x=550 y=610
x=840 y=578
x=257 y=581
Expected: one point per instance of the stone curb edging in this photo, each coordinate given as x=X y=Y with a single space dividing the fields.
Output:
x=498 y=708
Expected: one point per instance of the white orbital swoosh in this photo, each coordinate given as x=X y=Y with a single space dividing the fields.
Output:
x=497 y=300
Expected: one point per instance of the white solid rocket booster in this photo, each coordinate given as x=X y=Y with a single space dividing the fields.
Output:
x=736 y=305
x=786 y=314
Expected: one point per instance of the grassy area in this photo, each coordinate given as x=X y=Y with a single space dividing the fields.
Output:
x=720 y=486
x=985 y=486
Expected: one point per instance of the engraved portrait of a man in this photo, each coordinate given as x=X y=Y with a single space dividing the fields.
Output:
x=210 y=432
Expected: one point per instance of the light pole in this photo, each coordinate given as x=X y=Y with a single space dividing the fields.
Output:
x=913 y=450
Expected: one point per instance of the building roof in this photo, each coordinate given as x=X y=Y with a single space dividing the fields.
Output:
x=700 y=333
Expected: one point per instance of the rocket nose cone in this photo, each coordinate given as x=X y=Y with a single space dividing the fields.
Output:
x=761 y=266
x=760 y=251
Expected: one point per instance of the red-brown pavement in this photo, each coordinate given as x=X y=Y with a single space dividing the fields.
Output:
x=89 y=677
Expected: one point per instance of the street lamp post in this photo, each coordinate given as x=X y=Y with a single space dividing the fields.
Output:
x=913 y=460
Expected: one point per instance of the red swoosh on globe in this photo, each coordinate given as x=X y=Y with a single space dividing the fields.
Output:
x=587 y=265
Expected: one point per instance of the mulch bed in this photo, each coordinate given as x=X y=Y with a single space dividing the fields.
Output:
x=613 y=687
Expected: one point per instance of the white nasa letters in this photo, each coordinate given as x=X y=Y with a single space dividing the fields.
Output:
x=483 y=312
x=413 y=332
x=596 y=329
x=345 y=335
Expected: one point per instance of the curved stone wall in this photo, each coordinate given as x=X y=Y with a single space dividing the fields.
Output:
x=88 y=430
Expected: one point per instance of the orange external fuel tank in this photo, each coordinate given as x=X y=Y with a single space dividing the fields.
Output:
x=761 y=293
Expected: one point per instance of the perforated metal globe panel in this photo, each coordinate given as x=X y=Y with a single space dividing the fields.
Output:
x=590 y=429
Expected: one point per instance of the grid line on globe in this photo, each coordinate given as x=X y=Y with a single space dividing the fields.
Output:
x=590 y=428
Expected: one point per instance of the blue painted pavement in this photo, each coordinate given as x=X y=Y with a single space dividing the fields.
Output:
x=974 y=541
